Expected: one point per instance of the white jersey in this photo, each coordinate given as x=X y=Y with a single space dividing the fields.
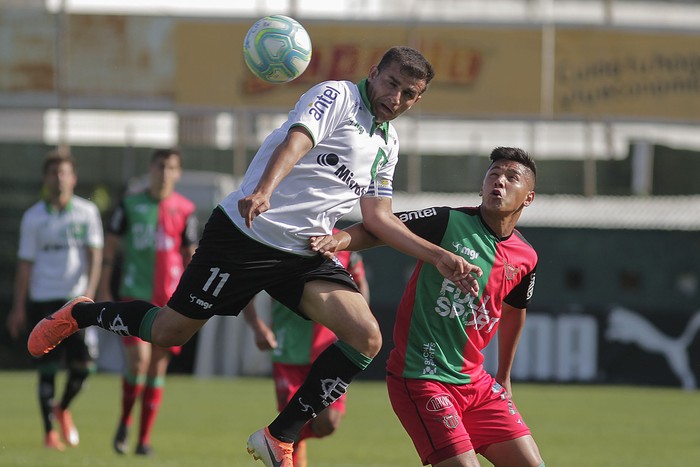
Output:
x=352 y=157
x=56 y=242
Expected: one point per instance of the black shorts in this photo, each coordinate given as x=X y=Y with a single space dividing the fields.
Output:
x=74 y=348
x=229 y=269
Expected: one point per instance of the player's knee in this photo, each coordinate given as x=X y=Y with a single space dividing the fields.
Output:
x=374 y=340
x=325 y=426
x=164 y=337
x=374 y=344
x=365 y=337
x=170 y=329
x=369 y=341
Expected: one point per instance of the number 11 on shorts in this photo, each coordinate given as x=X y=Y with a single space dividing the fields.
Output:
x=223 y=277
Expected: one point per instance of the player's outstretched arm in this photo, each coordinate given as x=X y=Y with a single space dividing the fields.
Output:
x=297 y=143
x=353 y=238
x=380 y=221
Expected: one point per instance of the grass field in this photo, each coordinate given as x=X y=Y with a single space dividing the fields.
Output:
x=205 y=422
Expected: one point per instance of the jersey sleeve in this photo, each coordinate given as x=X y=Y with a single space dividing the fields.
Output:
x=322 y=108
x=117 y=222
x=27 y=238
x=428 y=223
x=521 y=294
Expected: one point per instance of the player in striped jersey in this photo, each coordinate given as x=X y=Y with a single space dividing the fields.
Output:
x=451 y=408
x=157 y=230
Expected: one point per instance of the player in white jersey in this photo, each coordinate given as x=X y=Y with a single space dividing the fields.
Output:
x=337 y=147
x=330 y=177
x=60 y=255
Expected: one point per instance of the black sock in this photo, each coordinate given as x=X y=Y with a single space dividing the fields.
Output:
x=328 y=379
x=123 y=318
x=46 y=393
x=76 y=378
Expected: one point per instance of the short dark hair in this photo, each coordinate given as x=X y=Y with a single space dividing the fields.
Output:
x=164 y=153
x=517 y=155
x=412 y=62
x=57 y=157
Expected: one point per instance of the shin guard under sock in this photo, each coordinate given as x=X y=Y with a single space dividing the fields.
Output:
x=327 y=380
x=123 y=318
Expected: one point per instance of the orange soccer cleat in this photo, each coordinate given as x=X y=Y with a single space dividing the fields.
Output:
x=68 y=429
x=271 y=451
x=50 y=331
x=52 y=442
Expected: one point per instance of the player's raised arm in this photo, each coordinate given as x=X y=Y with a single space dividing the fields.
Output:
x=380 y=221
x=297 y=143
x=353 y=238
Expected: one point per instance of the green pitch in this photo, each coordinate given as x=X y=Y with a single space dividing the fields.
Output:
x=206 y=423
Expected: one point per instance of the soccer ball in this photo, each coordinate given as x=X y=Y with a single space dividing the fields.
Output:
x=277 y=49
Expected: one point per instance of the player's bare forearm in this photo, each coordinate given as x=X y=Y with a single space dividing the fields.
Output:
x=353 y=238
x=94 y=271
x=264 y=336
x=283 y=159
x=17 y=318
x=510 y=327
x=187 y=254
x=112 y=246
x=381 y=222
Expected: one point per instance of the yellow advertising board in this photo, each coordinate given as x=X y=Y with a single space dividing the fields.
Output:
x=624 y=74
x=482 y=72
x=479 y=71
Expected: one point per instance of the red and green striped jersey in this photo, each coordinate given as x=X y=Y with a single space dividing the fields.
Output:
x=440 y=331
x=154 y=233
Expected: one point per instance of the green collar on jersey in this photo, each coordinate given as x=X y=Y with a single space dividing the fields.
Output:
x=51 y=209
x=384 y=126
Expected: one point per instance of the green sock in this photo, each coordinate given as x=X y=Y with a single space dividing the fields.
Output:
x=358 y=358
x=147 y=324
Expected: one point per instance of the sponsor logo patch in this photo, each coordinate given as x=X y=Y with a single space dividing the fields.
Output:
x=451 y=421
x=439 y=402
x=327 y=160
x=199 y=302
x=511 y=271
x=323 y=102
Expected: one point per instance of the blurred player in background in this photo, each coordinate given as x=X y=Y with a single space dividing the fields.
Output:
x=295 y=343
x=157 y=229
x=337 y=147
x=60 y=250
x=448 y=404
